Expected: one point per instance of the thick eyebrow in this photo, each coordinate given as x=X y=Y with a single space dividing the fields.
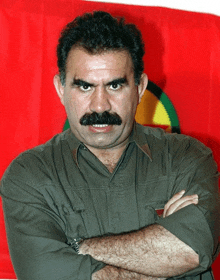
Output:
x=118 y=81
x=79 y=82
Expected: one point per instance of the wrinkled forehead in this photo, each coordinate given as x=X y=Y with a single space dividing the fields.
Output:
x=81 y=62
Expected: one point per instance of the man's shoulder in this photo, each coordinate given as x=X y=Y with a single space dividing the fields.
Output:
x=36 y=168
x=148 y=130
x=47 y=148
x=41 y=156
x=173 y=142
x=158 y=135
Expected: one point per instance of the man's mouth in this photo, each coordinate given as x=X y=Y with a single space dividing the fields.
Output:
x=100 y=125
x=100 y=128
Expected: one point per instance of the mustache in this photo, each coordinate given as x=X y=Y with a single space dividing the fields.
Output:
x=101 y=118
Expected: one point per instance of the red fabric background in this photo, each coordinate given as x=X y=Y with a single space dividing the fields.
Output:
x=182 y=57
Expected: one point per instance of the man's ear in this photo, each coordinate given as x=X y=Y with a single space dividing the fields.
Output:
x=142 y=86
x=59 y=87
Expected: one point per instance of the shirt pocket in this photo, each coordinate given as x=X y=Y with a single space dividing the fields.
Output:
x=74 y=221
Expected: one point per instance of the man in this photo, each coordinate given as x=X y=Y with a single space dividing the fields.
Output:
x=87 y=204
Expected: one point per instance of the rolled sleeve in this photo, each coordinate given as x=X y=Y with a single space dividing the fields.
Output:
x=36 y=233
x=191 y=227
x=197 y=225
x=38 y=249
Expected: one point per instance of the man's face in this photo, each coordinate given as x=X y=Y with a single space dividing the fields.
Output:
x=100 y=83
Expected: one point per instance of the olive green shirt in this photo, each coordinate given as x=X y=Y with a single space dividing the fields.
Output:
x=60 y=191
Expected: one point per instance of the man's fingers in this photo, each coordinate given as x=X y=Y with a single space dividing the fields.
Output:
x=186 y=203
x=177 y=204
x=172 y=200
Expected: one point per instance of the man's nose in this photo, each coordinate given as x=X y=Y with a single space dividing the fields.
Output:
x=100 y=100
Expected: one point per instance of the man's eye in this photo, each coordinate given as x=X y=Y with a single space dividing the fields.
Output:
x=85 y=88
x=115 y=86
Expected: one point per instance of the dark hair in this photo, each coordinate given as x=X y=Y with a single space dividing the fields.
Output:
x=98 y=32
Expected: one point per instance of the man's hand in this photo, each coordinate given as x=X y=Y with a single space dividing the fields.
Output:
x=178 y=201
x=151 y=252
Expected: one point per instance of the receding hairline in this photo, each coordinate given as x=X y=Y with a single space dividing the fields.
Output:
x=99 y=52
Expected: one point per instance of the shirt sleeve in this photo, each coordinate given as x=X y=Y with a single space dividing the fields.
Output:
x=196 y=225
x=36 y=235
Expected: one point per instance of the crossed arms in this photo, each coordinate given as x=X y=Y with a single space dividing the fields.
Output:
x=37 y=233
x=39 y=250
x=149 y=253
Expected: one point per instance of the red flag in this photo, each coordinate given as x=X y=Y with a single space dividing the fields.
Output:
x=182 y=58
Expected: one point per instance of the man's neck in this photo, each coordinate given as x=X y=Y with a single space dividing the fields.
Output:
x=109 y=157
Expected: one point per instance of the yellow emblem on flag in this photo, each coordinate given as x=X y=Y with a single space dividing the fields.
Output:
x=156 y=109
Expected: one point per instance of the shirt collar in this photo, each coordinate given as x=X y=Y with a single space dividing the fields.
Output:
x=138 y=136
x=73 y=142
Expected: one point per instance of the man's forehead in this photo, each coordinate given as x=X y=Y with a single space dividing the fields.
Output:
x=80 y=54
x=107 y=65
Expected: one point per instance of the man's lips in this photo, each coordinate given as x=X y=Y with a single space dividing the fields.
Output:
x=100 y=127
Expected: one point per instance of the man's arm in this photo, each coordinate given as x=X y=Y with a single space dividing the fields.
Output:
x=151 y=252
x=112 y=272
x=36 y=229
x=185 y=241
